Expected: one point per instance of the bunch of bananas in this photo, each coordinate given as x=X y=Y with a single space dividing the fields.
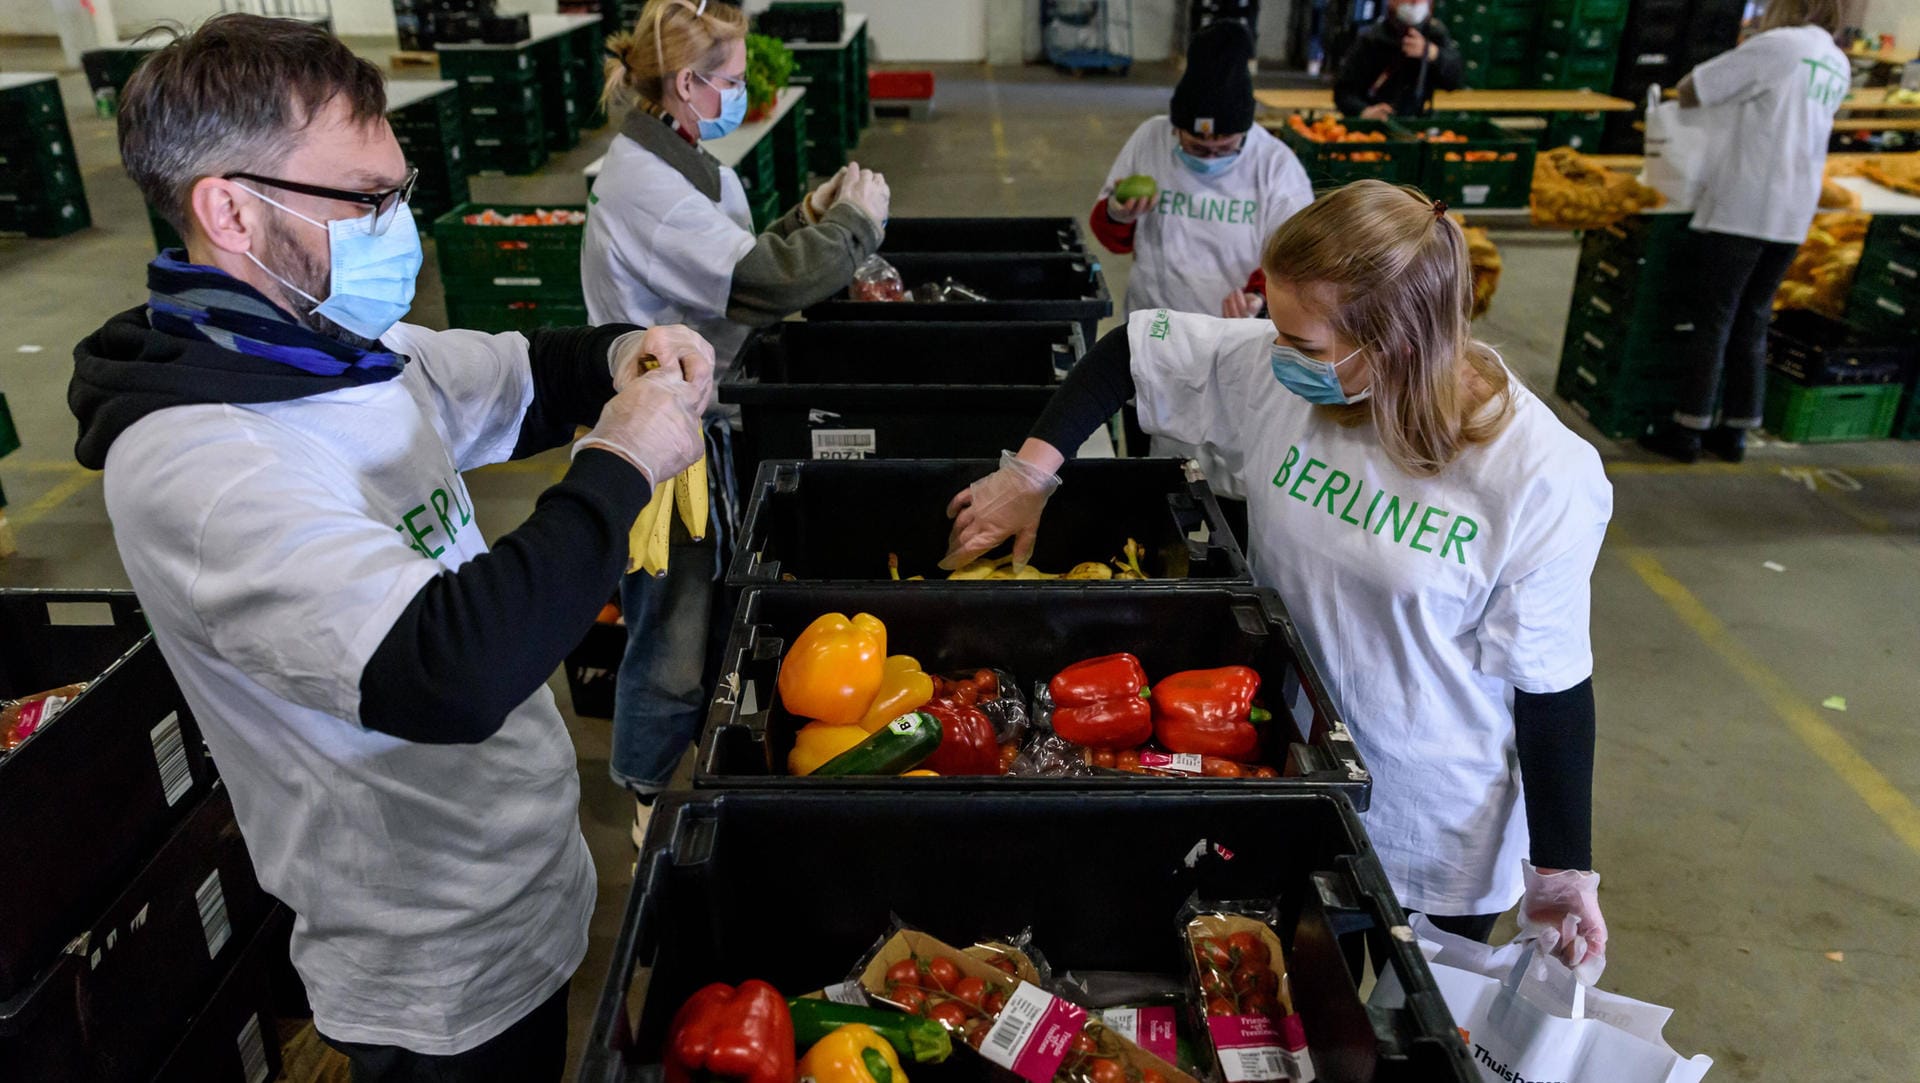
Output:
x=686 y=494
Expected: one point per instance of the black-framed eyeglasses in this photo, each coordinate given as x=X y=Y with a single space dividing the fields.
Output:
x=1201 y=150
x=384 y=205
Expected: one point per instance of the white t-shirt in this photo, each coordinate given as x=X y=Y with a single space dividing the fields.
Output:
x=441 y=891
x=1776 y=96
x=1205 y=235
x=658 y=251
x=1424 y=601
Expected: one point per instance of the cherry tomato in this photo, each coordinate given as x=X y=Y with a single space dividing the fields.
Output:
x=1009 y=752
x=904 y=972
x=1251 y=949
x=1128 y=760
x=1211 y=986
x=1260 y=1004
x=943 y=974
x=966 y=694
x=1219 y=1006
x=976 y=1032
x=1102 y=757
x=1004 y=965
x=910 y=997
x=995 y=1004
x=1213 y=953
x=988 y=684
x=971 y=991
x=1214 y=767
x=1107 y=1071
x=1248 y=982
x=1263 y=772
x=950 y=1014
x=1148 y=1075
x=1083 y=1043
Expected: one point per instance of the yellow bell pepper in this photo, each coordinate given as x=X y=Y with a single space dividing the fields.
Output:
x=834 y=669
x=903 y=688
x=818 y=742
x=855 y=1053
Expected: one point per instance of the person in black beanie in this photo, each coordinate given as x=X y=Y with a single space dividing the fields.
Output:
x=1204 y=187
x=1397 y=63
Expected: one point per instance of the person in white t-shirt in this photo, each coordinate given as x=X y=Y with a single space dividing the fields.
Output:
x=1428 y=522
x=283 y=470
x=1223 y=185
x=1773 y=99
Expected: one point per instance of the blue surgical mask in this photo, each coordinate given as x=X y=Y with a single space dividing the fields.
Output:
x=1314 y=380
x=371 y=274
x=1206 y=167
x=733 y=110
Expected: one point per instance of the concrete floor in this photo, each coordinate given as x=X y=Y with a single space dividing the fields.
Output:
x=1761 y=852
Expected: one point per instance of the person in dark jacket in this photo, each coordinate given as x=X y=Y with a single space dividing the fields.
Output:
x=1396 y=65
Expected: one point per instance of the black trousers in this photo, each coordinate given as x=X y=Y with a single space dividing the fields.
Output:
x=1725 y=299
x=534 y=1050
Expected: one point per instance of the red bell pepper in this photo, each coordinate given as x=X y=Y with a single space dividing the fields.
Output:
x=1210 y=712
x=1099 y=703
x=969 y=744
x=723 y=1033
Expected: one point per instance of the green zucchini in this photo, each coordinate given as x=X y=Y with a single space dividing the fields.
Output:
x=918 y=1040
x=900 y=745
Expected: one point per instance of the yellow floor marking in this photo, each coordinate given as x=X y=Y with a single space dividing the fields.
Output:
x=54 y=497
x=1860 y=775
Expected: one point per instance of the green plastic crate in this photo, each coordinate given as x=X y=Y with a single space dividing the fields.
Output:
x=481 y=67
x=505 y=260
x=1824 y=415
x=1486 y=19
x=1573 y=36
x=1575 y=71
x=1330 y=165
x=1906 y=424
x=1503 y=75
x=44 y=219
x=1581 y=131
x=498 y=317
x=1894 y=235
x=1506 y=181
x=1597 y=11
x=1885 y=299
x=512 y=153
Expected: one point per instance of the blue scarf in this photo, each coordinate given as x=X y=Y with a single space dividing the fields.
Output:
x=189 y=300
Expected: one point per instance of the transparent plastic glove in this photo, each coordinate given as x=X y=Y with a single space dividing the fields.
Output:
x=1131 y=210
x=1005 y=504
x=868 y=191
x=1561 y=911
x=670 y=345
x=653 y=424
x=822 y=198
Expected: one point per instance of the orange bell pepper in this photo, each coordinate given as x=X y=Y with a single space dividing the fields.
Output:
x=903 y=689
x=833 y=671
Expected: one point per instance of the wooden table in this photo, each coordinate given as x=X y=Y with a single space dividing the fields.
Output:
x=1464 y=101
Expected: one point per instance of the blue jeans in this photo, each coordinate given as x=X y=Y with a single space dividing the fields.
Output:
x=673 y=640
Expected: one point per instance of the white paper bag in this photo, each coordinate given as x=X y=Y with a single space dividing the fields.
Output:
x=1526 y=1018
x=1680 y=149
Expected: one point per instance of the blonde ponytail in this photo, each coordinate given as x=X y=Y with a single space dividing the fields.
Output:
x=669 y=36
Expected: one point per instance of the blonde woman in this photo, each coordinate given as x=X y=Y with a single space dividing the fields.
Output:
x=669 y=238
x=1429 y=523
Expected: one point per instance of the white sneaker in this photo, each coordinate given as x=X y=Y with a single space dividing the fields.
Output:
x=642 y=814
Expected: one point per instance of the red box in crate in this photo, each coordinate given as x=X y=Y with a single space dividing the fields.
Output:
x=900 y=85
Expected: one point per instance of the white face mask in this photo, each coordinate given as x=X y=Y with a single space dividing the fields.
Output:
x=1412 y=14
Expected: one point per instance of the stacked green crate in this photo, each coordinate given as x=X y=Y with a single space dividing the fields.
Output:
x=501 y=106
x=556 y=75
x=836 y=80
x=1885 y=301
x=40 y=190
x=431 y=133
x=760 y=175
x=1579 y=44
x=1496 y=41
x=1330 y=165
x=510 y=278
x=1616 y=365
x=790 y=152
x=863 y=92
x=1490 y=167
x=589 y=76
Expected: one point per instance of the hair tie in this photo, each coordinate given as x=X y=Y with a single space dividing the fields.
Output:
x=1439 y=208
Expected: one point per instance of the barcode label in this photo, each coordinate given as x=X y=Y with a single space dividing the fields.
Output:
x=844 y=443
x=1253 y=1065
x=253 y=1051
x=170 y=753
x=213 y=913
x=1033 y=1034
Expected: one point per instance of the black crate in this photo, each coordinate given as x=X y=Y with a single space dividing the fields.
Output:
x=1034 y=633
x=1021 y=288
x=895 y=390
x=232 y=1039
x=982 y=235
x=505 y=29
x=805 y=20
x=138 y=972
x=96 y=789
x=798 y=521
x=1100 y=882
x=1817 y=351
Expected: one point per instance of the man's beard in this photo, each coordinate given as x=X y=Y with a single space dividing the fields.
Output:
x=298 y=266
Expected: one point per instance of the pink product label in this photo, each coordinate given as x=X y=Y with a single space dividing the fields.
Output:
x=1186 y=763
x=1244 y=1032
x=1293 y=1033
x=1033 y=1034
x=36 y=714
x=1152 y=1029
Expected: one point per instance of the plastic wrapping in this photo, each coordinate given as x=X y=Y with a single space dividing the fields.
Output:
x=877 y=280
x=22 y=718
x=1242 y=999
x=1015 y=957
x=989 y=694
x=947 y=290
x=1049 y=755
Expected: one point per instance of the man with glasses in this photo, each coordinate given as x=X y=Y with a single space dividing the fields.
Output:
x=1222 y=185
x=283 y=471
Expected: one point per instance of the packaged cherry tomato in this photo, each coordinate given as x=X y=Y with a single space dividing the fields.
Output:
x=1239 y=975
x=877 y=280
x=1016 y=1025
x=22 y=718
x=1015 y=957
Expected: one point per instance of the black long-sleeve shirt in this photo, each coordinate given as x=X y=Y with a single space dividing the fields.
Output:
x=1377 y=69
x=1554 y=732
x=475 y=642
